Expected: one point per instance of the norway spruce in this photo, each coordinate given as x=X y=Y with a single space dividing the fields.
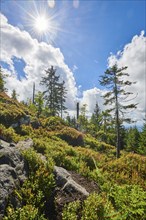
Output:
x=117 y=95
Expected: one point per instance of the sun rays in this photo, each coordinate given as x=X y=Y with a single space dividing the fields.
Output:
x=44 y=20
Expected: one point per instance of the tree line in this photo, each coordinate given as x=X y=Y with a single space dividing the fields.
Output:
x=105 y=125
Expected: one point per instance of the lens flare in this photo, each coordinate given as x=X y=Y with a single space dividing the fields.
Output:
x=41 y=24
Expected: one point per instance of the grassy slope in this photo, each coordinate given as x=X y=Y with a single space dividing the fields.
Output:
x=122 y=181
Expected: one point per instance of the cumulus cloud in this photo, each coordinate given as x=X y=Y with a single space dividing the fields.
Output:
x=134 y=57
x=91 y=97
x=37 y=56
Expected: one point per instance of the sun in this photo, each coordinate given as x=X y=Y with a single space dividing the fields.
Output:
x=41 y=24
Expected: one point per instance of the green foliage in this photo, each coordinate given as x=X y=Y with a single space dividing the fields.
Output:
x=39 y=103
x=27 y=212
x=14 y=94
x=9 y=134
x=116 y=96
x=142 y=141
x=97 y=145
x=71 y=136
x=121 y=182
x=11 y=111
x=2 y=82
x=129 y=200
x=95 y=207
x=121 y=203
x=54 y=123
x=54 y=94
x=129 y=169
x=71 y=210
x=132 y=140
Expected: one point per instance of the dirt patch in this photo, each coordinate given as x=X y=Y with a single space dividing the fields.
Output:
x=90 y=186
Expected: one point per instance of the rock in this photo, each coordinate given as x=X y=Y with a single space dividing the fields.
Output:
x=24 y=145
x=13 y=169
x=64 y=180
x=61 y=176
x=8 y=181
x=25 y=120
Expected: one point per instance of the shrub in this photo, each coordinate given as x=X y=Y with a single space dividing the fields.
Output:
x=8 y=134
x=129 y=200
x=71 y=136
x=129 y=169
x=27 y=212
x=71 y=210
x=54 y=123
x=98 y=146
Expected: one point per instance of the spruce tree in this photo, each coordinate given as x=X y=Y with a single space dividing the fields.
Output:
x=114 y=82
x=14 y=94
x=96 y=117
x=132 y=140
x=39 y=103
x=55 y=92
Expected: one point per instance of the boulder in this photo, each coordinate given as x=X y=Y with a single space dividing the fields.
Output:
x=13 y=170
x=64 y=180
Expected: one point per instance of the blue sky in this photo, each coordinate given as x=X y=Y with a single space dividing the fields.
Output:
x=85 y=32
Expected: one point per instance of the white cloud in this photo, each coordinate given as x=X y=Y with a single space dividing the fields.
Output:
x=91 y=97
x=134 y=57
x=38 y=56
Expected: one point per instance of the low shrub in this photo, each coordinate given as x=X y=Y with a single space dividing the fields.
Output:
x=9 y=134
x=129 y=169
x=98 y=145
x=71 y=136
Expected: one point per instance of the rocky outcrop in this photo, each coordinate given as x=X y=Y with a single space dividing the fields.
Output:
x=70 y=186
x=13 y=169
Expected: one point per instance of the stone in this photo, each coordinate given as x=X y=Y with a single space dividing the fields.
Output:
x=13 y=170
x=64 y=180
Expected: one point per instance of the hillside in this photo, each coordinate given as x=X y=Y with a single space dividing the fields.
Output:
x=69 y=175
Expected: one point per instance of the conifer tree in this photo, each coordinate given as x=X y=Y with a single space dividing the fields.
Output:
x=114 y=82
x=96 y=117
x=142 y=140
x=2 y=82
x=39 y=103
x=14 y=94
x=55 y=92
x=132 y=140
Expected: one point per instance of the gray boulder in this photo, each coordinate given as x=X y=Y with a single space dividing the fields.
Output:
x=13 y=170
x=64 y=180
